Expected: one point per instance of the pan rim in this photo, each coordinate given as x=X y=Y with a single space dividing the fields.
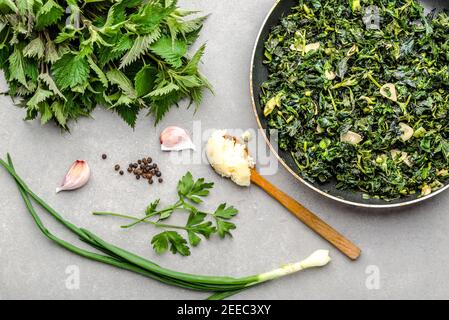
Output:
x=289 y=169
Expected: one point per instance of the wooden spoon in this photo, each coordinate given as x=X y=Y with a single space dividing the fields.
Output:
x=307 y=217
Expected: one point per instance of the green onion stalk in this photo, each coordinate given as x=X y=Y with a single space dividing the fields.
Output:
x=221 y=287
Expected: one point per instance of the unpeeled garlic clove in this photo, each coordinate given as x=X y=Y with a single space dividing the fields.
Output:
x=175 y=139
x=77 y=176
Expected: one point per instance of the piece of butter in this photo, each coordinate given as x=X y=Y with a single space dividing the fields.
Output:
x=229 y=158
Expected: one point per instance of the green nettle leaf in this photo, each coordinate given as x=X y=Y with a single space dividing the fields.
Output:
x=46 y=113
x=145 y=80
x=191 y=67
x=64 y=35
x=170 y=50
x=101 y=76
x=35 y=48
x=150 y=16
x=39 y=96
x=122 y=81
x=58 y=110
x=16 y=70
x=49 y=14
x=163 y=90
x=48 y=80
x=70 y=71
x=10 y=4
x=128 y=113
x=140 y=46
x=191 y=25
x=107 y=55
x=51 y=54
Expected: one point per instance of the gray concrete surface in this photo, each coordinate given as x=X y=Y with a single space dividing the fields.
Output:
x=408 y=248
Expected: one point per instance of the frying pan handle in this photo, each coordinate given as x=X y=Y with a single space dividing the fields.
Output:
x=307 y=217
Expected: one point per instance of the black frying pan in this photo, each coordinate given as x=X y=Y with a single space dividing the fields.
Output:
x=259 y=74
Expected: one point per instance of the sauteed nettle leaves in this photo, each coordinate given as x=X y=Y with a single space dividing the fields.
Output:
x=362 y=100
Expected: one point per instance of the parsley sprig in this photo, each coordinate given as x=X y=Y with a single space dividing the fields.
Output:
x=200 y=224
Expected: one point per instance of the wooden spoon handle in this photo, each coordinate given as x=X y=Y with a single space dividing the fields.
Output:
x=307 y=217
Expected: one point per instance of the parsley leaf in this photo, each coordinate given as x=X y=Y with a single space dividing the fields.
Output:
x=222 y=214
x=193 y=190
x=170 y=239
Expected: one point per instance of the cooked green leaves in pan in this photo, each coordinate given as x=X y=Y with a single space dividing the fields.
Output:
x=359 y=93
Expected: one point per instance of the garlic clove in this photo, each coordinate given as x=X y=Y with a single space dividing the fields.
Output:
x=407 y=132
x=175 y=139
x=351 y=138
x=311 y=47
x=389 y=91
x=77 y=176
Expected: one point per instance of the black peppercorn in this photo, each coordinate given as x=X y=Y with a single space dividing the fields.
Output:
x=139 y=161
x=104 y=156
x=149 y=160
x=138 y=177
x=130 y=170
x=121 y=172
x=117 y=167
x=160 y=180
x=150 y=181
x=158 y=174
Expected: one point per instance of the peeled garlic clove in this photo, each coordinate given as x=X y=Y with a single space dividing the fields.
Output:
x=426 y=190
x=330 y=75
x=389 y=91
x=351 y=138
x=175 y=139
x=407 y=132
x=77 y=177
x=311 y=47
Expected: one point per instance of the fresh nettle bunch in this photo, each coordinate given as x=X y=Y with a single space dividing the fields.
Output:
x=199 y=223
x=66 y=57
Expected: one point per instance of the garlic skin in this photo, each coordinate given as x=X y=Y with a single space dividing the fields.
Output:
x=77 y=176
x=175 y=139
x=229 y=158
